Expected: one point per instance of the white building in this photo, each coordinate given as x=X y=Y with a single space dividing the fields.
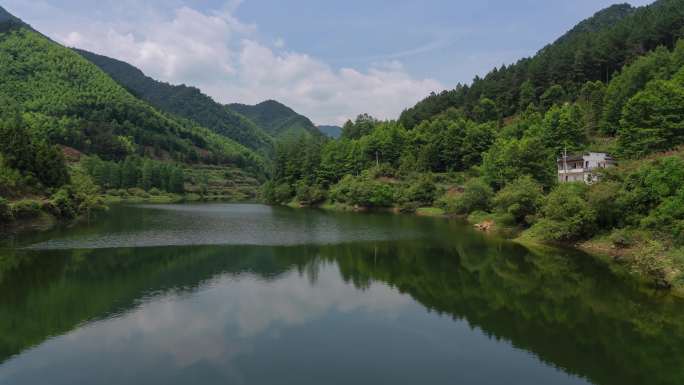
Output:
x=582 y=168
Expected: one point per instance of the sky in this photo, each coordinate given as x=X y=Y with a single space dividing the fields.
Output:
x=329 y=60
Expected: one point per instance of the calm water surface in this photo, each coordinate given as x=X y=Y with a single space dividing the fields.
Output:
x=248 y=294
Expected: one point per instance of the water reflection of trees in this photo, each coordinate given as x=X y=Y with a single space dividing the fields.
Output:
x=570 y=311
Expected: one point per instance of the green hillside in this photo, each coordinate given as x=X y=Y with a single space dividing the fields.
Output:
x=594 y=50
x=67 y=100
x=277 y=119
x=55 y=104
x=187 y=102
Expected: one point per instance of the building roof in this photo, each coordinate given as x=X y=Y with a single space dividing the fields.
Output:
x=572 y=158
x=580 y=157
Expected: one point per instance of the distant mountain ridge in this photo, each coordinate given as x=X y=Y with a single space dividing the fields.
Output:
x=9 y=21
x=594 y=50
x=277 y=119
x=6 y=16
x=604 y=18
x=332 y=131
x=184 y=101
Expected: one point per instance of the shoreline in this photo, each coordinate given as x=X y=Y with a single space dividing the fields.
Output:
x=616 y=259
x=42 y=221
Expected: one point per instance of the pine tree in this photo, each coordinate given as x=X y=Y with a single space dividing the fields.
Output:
x=527 y=95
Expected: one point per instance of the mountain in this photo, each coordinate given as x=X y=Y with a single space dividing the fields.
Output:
x=332 y=131
x=6 y=16
x=277 y=119
x=595 y=50
x=602 y=19
x=9 y=21
x=66 y=100
x=187 y=102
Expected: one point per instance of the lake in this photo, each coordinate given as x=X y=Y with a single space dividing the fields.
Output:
x=250 y=294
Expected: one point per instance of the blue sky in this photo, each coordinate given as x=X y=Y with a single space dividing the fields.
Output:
x=328 y=60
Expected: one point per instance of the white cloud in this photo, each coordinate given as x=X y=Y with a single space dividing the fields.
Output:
x=323 y=93
x=226 y=59
x=279 y=43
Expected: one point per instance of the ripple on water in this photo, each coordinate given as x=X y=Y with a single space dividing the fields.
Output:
x=225 y=224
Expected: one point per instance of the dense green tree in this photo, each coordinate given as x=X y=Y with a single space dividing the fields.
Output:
x=553 y=96
x=29 y=156
x=603 y=198
x=486 y=111
x=363 y=191
x=477 y=196
x=15 y=141
x=567 y=216
x=49 y=165
x=528 y=95
x=146 y=175
x=591 y=102
x=520 y=198
x=363 y=125
x=632 y=79
x=510 y=159
x=653 y=120
x=136 y=172
x=562 y=129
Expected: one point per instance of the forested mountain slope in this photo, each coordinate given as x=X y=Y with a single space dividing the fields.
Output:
x=187 y=102
x=6 y=16
x=277 y=119
x=55 y=104
x=594 y=50
x=67 y=100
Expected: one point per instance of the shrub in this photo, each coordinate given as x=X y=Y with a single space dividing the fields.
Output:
x=603 y=198
x=408 y=206
x=267 y=193
x=624 y=238
x=62 y=204
x=10 y=179
x=567 y=216
x=25 y=209
x=363 y=191
x=5 y=211
x=137 y=192
x=422 y=191
x=668 y=216
x=650 y=259
x=477 y=195
x=155 y=191
x=382 y=170
x=309 y=195
x=283 y=193
x=520 y=198
x=448 y=202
